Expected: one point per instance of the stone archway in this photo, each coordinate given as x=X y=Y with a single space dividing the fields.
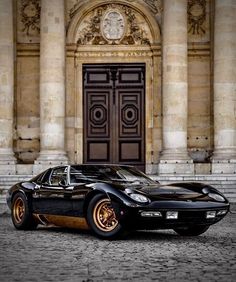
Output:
x=97 y=7
x=90 y=40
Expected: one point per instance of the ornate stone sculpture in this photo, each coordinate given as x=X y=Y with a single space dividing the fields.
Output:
x=30 y=16
x=196 y=16
x=113 y=24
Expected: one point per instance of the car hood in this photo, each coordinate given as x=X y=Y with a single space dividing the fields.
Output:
x=178 y=191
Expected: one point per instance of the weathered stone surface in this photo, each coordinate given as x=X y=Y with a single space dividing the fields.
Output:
x=6 y=83
x=225 y=80
x=175 y=84
x=52 y=83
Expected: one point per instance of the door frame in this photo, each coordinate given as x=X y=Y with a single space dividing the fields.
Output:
x=150 y=56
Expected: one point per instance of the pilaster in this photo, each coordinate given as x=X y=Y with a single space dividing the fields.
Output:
x=7 y=159
x=224 y=157
x=52 y=84
x=174 y=157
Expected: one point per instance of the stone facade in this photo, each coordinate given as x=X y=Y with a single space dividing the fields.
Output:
x=188 y=47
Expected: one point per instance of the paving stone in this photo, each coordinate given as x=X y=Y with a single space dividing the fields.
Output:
x=58 y=254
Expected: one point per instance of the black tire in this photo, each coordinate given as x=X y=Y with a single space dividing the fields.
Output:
x=102 y=219
x=21 y=215
x=191 y=231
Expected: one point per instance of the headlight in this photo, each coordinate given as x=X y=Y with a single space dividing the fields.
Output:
x=139 y=198
x=216 y=197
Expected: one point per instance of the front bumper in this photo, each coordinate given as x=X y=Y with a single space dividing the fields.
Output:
x=189 y=214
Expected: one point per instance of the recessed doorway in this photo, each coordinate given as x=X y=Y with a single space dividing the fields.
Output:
x=114 y=114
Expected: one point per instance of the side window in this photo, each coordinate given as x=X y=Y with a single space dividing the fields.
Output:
x=45 y=179
x=58 y=175
x=82 y=174
x=38 y=178
x=76 y=175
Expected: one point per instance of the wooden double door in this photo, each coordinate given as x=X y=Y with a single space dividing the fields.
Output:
x=114 y=114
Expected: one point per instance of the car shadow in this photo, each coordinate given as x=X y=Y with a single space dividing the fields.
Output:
x=155 y=235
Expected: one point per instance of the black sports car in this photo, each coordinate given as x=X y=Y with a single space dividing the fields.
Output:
x=113 y=199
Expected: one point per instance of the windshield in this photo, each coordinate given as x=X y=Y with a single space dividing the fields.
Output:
x=120 y=174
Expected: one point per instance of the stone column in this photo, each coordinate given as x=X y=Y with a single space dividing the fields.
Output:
x=224 y=158
x=175 y=89
x=52 y=83
x=7 y=160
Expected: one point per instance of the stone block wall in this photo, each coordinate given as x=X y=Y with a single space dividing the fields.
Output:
x=26 y=136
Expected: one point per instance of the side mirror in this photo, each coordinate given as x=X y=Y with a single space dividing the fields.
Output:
x=63 y=183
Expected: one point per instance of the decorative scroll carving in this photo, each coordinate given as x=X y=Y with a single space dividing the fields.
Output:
x=30 y=16
x=196 y=16
x=113 y=24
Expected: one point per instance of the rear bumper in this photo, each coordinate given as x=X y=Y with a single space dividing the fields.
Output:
x=189 y=214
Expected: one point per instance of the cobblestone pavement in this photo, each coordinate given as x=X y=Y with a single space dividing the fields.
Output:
x=55 y=254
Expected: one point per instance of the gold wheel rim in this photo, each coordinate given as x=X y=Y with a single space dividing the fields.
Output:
x=104 y=216
x=18 y=210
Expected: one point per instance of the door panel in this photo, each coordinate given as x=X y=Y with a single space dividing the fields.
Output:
x=114 y=114
x=98 y=124
x=130 y=121
x=50 y=197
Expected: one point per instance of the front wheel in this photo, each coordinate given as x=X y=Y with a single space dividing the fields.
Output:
x=191 y=231
x=22 y=217
x=102 y=218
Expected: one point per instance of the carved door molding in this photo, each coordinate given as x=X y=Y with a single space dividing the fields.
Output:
x=114 y=114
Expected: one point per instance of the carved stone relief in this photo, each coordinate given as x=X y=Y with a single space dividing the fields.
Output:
x=30 y=16
x=196 y=16
x=113 y=24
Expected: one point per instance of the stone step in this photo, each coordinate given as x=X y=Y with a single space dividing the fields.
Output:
x=196 y=179
x=224 y=183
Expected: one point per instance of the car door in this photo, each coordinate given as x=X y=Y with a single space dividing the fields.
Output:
x=53 y=195
x=80 y=183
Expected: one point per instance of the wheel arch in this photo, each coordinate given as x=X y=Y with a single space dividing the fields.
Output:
x=114 y=196
x=89 y=197
x=26 y=194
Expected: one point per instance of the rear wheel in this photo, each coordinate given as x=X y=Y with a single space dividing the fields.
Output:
x=191 y=231
x=22 y=217
x=102 y=218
